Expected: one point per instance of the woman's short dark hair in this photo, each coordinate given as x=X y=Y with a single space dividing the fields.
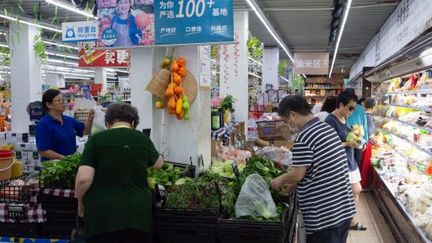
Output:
x=122 y=112
x=361 y=100
x=370 y=103
x=345 y=97
x=294 y=103
x=48 y=97
x=329 y=104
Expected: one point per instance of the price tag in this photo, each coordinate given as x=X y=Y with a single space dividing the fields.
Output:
x=16 y=212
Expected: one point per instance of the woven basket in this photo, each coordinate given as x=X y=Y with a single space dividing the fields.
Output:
x=159 y=83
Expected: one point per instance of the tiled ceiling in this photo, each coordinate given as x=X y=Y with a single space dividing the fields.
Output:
x=304 y=25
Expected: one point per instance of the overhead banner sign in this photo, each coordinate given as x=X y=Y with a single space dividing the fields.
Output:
x=80 y=31
x=104 y=58
x=126 y=23
x=314 y=63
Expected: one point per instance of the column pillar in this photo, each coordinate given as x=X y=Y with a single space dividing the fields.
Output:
x=25 y=73
x=270 y=67
x=101 y=78
x=234 y=67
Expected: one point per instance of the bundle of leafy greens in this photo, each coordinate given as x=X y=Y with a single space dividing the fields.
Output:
x=60 y=173
x=167 y=176
x=198 y=193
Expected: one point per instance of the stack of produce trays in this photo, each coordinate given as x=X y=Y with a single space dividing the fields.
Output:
x=20 y=214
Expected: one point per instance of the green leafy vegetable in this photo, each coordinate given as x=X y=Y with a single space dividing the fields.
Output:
x=60 y=173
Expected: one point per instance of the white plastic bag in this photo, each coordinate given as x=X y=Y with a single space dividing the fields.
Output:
x=98 y=121
x=282 y=156
x=255 y=199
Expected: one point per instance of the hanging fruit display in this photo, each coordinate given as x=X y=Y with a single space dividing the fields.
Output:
x=177 y=102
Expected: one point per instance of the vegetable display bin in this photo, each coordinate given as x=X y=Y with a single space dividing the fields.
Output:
x=239 y=231
x=185 y=225
x=60 y=214
x=20 y=229
x=6 y=163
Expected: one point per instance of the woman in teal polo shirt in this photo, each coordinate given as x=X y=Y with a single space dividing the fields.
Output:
x=111 y=183
x=55 y=132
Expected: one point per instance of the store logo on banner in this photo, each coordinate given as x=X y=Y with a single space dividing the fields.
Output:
x=164 y=22
x=90 y=57
x=80 y=31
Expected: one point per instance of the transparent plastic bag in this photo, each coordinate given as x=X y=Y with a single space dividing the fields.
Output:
x=255 y=199
x=282 y=156
x=98 y=121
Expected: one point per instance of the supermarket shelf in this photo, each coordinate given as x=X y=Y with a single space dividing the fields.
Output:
x=413 y=92
x=307 y=88
x=427 y=151
x=253 y=74
x=407 y=123
x=427 y=109
x=399 y=205
x=255 y=61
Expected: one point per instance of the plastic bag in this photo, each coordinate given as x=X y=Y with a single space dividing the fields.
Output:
x=98 y=121
x=255 y=199
x=283 y=156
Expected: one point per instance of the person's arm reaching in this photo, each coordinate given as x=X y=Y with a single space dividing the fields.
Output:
x=83 y=181
x=50 y=154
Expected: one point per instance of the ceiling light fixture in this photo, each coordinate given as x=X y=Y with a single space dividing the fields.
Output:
x=345 y=17
x=71 y=8
x=268 y=26
x=61 y=45
x=3 y=45
x=63 y=62
x=62 y=55
x=19 y=20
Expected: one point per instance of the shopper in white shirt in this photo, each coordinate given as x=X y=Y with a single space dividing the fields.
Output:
x=328 y=107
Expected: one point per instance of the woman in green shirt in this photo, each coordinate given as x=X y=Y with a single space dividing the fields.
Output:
x=111 y=184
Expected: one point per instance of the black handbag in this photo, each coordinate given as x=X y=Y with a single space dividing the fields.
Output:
x=78 y=235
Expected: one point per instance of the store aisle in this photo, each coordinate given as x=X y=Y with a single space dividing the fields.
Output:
x=369 y=215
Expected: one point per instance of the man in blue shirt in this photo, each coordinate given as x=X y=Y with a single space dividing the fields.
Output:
x=56 y=133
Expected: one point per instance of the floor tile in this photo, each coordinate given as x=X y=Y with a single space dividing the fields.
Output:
x=369 y=215
x=365 y=239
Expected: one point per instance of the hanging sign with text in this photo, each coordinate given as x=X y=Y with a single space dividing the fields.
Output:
x=314 y=63
x=104 y=58
x=164 y=22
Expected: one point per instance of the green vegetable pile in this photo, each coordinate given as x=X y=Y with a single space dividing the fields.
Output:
x=219 y=187
x=167 y=176
x=199 y=193
x=60 y=173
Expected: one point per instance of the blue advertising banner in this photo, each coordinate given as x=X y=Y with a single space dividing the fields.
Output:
x=193 y=21
x=127 y=23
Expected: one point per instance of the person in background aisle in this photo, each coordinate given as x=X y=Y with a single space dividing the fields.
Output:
x=358 y=117
x=328 y=107
x=315 y=107
x=320 y=173
x=346 y=104
x=55 y=132
x=369 y=106
x=365 y=168
x=362 y=101
x=111 y=183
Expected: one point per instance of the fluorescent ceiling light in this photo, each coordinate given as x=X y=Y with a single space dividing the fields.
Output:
x=3 y=45
x=269 y=28
x=71 y=8
x=62 y=62
x=117 y=70
x=16 y=19
x=348 y=6
x=61 y=55
x=61 y=45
